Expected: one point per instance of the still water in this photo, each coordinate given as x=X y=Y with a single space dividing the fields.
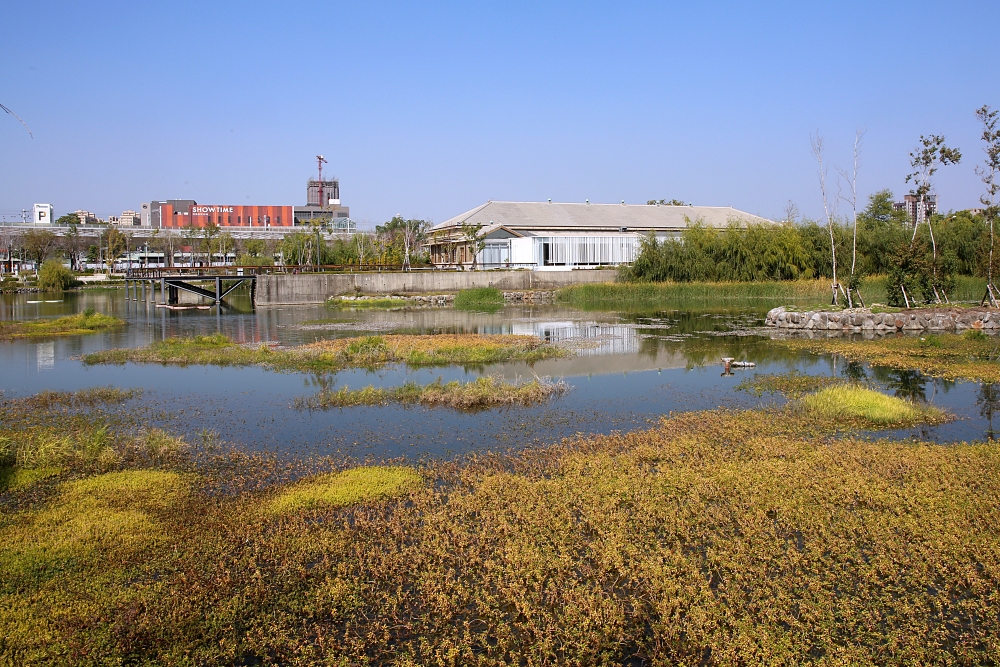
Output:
x=628 y=369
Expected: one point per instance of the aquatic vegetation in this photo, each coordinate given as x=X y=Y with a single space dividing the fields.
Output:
x=652 y=295
x=80 y=323
x=70 y=431
x=346 y=488
x=949 y=356
x=94 y=396
x=483 y=392
x=741 y=536
x=488 y=299
x=388 y=302
x=850 y=402
x=790 y=384
x=326 y=355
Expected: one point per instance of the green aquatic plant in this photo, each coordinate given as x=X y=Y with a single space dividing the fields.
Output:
x=328 y=355
x=70 y=325
x=949 y=356
x=859 y=403
x=386 y=303
x=346 y=488
x=790 y=384
x=488 y=299
x=483 y=392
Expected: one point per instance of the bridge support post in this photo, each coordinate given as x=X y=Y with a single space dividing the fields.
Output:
x=163 y=291
x=218 y=290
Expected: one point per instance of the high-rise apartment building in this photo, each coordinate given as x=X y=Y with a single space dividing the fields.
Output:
x=911 y=204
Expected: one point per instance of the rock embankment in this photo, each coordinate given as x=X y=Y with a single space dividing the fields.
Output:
x=532 y=296
x=859 y=320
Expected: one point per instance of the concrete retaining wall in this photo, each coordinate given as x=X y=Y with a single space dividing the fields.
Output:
x=274 y=290
x=862 y=320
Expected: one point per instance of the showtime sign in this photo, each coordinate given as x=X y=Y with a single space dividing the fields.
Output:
x=195 y=210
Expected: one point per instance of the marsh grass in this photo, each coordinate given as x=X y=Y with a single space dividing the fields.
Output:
x=481 y=393
x=345 y=488
x=721 y=537
x=328 y=355
x=792 y=384
x=80 y=323
x=949 y=356
x=338 y=302
x=71 y=432
x=853 y=403
x=641 y=296
x=487 y=299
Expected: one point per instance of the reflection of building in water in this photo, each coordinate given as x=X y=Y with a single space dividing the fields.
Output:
x=593 y=339
x=45 y=353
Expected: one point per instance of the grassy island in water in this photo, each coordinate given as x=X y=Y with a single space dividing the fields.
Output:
x=81 y=323
x=340 y=353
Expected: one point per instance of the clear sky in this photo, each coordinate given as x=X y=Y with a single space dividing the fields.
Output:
x=428 y=109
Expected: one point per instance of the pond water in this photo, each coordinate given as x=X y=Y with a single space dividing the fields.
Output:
x=628 y=370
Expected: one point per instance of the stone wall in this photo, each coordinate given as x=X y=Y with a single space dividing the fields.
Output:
x=283 y=289
x=859 y=320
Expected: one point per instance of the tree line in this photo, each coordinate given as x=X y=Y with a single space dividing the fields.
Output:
x=396 y=242
x=920 y=257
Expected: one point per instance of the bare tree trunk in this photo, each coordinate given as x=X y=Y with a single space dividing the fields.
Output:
x=817 y=148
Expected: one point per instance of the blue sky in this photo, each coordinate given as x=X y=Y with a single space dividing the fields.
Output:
x=429 y=109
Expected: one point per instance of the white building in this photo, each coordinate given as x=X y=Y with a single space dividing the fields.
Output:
x=43 y=214
x=129 y=219
x=562 y=236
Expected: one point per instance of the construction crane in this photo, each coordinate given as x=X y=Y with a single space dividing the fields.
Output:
x=28 y=128
x=320 y=161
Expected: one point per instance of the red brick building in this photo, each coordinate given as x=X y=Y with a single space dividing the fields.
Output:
x=200 y=215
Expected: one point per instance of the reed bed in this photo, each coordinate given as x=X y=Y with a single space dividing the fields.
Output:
x=330 y=355
x=481 y=393
x=814 y=292
x=488 y=299
x=721 y=537
x=81 y=323
x=386 y=303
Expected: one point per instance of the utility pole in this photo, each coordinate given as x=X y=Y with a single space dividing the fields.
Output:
x=320 y=161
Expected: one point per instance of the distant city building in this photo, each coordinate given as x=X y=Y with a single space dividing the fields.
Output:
x=976 y=211
x=175 y=215
x=145 y=211
x=911 y=204
x=331 y=193
x=86 y=217
x=42 y=214
x=114 y=220
x=129 y=219
x=339 y=217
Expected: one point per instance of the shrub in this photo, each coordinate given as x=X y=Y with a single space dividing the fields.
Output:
x=976 y=335
x=54 y=277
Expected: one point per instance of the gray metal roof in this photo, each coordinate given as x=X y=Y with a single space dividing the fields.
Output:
x=542 y=217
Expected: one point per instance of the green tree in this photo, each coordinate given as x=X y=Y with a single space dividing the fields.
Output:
x=116 y=245
x=38 y=243
x=925 y=160
x=474 y=242
x=54 y=277
x=70 y=219
x=989 y=173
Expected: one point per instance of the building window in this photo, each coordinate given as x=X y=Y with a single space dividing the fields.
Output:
x=279 y=220
x=229 y=220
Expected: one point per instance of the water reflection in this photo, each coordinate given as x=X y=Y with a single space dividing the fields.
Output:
x=628 y=369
